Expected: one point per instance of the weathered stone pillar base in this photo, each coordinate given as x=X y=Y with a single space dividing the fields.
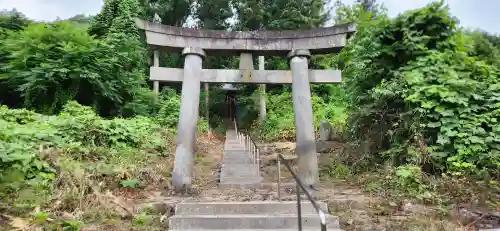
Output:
x=304 y=124
x=188 y=116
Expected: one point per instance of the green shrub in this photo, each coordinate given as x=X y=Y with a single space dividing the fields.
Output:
x=168 y=115
x=418 y=96
x=32 y=146
x=405 y=181
x=280 y=122
x=49 y=64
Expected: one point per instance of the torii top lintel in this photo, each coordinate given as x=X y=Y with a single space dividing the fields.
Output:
x=213 y=42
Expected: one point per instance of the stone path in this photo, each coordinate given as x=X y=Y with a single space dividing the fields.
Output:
x=240 y=169
x=239 y=165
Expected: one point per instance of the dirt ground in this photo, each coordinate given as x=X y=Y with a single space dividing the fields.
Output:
x=358 y=211
x=149 y=208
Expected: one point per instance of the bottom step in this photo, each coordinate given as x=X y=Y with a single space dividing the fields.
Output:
x=308 y=229
x=246 y=221
x=239 y=186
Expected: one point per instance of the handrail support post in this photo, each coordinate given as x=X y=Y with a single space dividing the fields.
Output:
x=279 y=178
x=300 y=188
x=299 y=209
x=258 y=162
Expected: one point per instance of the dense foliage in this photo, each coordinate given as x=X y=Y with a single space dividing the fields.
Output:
x=50 y=64
x=12 y=20
x=280 y=125
x=32 y=146
x=116 y=17
x=418 y=96
x=280 y=15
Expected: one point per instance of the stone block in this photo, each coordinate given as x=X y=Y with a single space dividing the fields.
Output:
x=247 y=221
x=254 y=207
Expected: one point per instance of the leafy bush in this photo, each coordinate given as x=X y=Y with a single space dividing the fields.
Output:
x=168 y=115
x=31 y=144
x=459 y=100
x=418 y=96
x=51 y=64
x=280 y=122
x=19 y=156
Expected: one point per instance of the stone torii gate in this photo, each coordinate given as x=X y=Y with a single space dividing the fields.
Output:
x=196 y=44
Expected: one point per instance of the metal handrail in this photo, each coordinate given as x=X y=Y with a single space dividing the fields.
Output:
x=300 y=185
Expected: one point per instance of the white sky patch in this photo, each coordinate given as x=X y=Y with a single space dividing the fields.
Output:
x=48 y=10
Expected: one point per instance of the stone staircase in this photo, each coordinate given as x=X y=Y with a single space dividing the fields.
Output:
x=243 y=216
x=240 y=169
x=239 y=163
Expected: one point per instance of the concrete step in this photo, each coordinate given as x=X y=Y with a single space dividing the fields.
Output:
x=236 y=154
x=240 y=150
x=240 y=186
x=227 y=175
x=310 y=229
x=242 y=157
x=235 y=150
x=231 y=137
x=232 y=154
x=254 y=221
x=234 y=147
x=241 y=175
x=229 y=161
x=254 y=207
x=240 y=180
x=239 y=169
x=236 y=161
x=229 y=178
x=235 y=158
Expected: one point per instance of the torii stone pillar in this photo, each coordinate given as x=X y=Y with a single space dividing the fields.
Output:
x=304 y=123
x=262 y=94
x=188 y=116
x=156 y=63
